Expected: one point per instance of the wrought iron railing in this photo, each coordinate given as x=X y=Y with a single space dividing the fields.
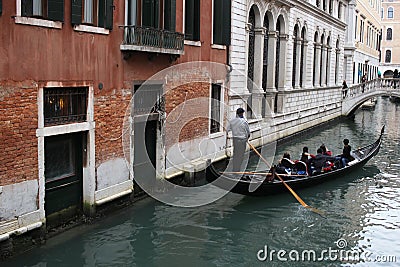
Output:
x=152 y=37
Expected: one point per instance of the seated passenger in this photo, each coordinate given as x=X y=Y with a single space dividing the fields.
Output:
x=285 y=164
x=325 y=150
x=301 y=168
x=305 y=157
x=345 y=156
x=319 y=163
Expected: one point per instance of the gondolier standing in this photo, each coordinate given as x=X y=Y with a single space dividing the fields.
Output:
x=240 y=134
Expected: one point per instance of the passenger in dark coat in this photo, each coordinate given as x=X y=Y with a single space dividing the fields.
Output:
x=346 y=157
x=319 y=162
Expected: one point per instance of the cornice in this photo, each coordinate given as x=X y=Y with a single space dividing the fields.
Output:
x=319 y=13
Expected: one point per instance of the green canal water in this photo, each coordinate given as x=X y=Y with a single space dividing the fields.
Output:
x=361 y=227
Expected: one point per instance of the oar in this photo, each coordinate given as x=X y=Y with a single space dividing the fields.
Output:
x=263 y=173
x=286 y=185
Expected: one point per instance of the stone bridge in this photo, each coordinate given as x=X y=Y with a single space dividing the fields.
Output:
x=356 y=95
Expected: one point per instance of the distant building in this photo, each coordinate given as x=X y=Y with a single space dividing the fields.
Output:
x=390 y=59
x=292 y=53
x=363 y=40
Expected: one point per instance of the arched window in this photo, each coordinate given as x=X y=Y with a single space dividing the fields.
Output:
x=388 y=56
x=337 y=62
x=250 y=57
x=327 y=66
x=382 y=11
x=315 y=58
x=389 y=34
x=390 y=13
x=302 y=55
x=278 y=52
x=294 y=67
x=340 y=10
x=265 y=55
x=321 y=67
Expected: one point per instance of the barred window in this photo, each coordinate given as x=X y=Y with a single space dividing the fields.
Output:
x=65 y=105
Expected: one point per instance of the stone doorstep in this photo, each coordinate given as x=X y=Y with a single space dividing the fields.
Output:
x=8 y=226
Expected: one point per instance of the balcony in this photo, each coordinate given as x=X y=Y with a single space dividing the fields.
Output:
x=138 y=38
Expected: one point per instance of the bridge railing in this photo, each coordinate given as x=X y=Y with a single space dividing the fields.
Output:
x=390 y=82
x=361 y=88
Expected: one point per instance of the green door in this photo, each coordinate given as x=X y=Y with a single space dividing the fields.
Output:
x=63 y=174
x=145 y=150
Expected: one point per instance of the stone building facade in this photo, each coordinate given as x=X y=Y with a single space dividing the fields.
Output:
x=363 y=41
x=390 y=58
x=293 y=52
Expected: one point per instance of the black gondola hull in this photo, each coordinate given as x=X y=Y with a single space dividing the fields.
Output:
x=257 y=185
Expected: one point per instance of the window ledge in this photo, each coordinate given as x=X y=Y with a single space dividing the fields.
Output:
x=38 y=22
x=218 y=46
x=216 y=134
x=192 y=43
x=91 y=29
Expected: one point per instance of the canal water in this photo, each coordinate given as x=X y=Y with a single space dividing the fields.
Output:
x=361 y=227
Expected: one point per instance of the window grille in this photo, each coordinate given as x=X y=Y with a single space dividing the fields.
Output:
x=65 y=105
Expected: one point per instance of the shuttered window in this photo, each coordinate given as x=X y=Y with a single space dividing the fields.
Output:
x=170 y=15
x=192 y=20
x=222 y=22
x=46 y=9
x=151 y=13
x=93 y=12
x=215 y=120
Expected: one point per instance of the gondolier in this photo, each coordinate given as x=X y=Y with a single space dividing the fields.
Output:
x=240 y=134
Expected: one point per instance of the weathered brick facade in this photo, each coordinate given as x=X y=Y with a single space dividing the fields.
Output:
x=18 y=142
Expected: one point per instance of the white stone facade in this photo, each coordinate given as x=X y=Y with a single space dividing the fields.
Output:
x=304 y=88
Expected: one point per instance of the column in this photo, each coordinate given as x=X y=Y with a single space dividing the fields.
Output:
x=282 y=83
x=328 y=66
x=271 y=60
x=271 y=90
x=258 y=93
x=316 y=67
x=323 y=65
x=258 y=56
x=307 y=75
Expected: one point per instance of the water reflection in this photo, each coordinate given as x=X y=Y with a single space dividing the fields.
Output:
x=363 y=208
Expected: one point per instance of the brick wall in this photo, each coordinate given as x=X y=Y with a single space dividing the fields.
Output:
x=187 y=108
x=109 y=110
x=18 y=124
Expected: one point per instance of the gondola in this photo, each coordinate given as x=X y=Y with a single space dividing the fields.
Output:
x=260 y=185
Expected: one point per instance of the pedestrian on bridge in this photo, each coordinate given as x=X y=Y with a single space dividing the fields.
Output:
x=345 y=88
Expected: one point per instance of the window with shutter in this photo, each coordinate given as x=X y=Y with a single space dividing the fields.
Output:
x=98 y=13
x=45 y=9
x=216 y=98
x=222 y=22
x=192 y=20
x=170 y=15
x=151 y=13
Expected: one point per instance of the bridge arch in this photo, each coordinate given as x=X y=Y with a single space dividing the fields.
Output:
x=355 y=98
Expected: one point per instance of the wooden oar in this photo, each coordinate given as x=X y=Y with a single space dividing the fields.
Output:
x=286 y=185
x=264 y=173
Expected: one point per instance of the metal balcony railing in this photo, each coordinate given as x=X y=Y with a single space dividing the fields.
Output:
x=153 y=38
